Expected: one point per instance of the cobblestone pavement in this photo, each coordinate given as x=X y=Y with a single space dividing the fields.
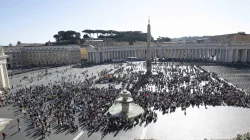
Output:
x=238 y=74
x=199 y=123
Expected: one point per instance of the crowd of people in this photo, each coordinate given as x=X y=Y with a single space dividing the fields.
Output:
x=72 y=102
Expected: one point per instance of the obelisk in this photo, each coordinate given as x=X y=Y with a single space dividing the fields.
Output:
x=148 y=53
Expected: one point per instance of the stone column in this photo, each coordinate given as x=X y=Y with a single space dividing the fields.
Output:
x=141 y=52
x=97 y=56
x=193 y=54
x=88 y=56
x=217 y=55
x=187 y=53
x=176 y=53
x=182 y=53
x=224 y=55
x=179 y=53
x=244 y=55
x=230 y=55
x=142 y=56
x=2 y=78
x=164 y=52
x=226 y=51
x=167 y=53
x=108 y=53
x=207 y=54
x=248 y=55
x=93 y=57
x=103 y=56
x=171 y=53
x=237 y=55
x=221 y=55
x=202 y=54
x=5 y=75
x=196 y=53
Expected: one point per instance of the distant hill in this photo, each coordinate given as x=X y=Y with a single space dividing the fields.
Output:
x=190 y=38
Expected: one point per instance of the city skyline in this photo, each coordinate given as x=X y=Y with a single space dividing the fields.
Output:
x=38 y=21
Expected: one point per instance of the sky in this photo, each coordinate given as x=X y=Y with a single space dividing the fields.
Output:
x=36 y=21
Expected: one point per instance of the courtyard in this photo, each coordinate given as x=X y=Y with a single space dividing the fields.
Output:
x=199 y=123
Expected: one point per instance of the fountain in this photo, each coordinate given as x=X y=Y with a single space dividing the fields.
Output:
x=124 y=106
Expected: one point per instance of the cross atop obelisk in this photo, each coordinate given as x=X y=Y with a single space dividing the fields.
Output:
x=148 y=57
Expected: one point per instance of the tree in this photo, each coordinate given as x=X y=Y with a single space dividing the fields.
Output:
x=18 y=42
x=86 y=36
x=67 y=37
x=61 y=35
x=56 y=36
x=163 y=39
x=88 y=31
x=129 y=36
x=98 y=32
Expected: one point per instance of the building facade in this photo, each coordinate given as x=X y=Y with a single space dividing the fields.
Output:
x=240 y=37
x=83 y=52
x=25 y=56
x=237 y=52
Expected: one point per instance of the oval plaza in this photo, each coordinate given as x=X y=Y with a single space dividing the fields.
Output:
x=238 y=52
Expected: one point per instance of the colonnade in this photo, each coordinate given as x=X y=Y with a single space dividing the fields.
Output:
x=219 y=54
